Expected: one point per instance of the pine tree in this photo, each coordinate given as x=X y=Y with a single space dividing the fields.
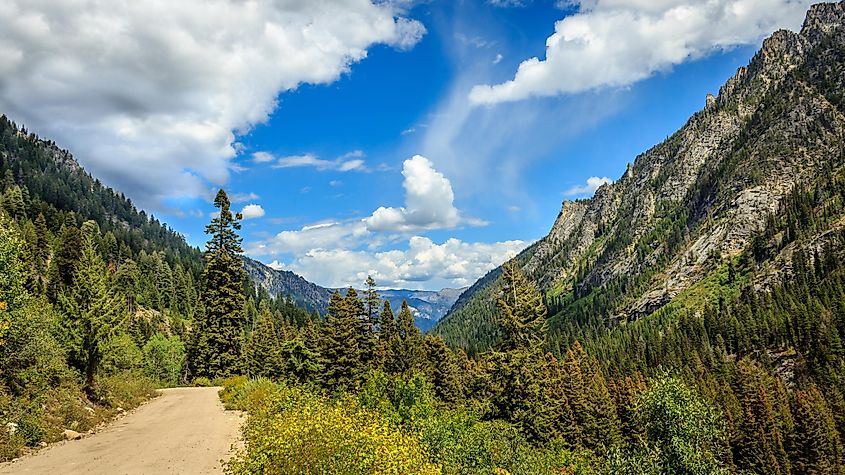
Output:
x=408 y=351
x=818 y=447
x=372 y=302
x=366 y=337
x=13 y=203
x=42 y=242
x=92 y=314
x=522 y=313
x=66 y=256
x=444 y=372
x=262 y=348
x=217 y=342
x=340 y=352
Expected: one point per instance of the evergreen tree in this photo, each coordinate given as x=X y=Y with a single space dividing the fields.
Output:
x=408 y=351
x=372 y=302
x=42 y=242
x=217 y=340
x=818 y=448
x=92 y=314
x=444 y=372
x=66 y=256
x=522 y=312
x=263 y=348
x=340 y=352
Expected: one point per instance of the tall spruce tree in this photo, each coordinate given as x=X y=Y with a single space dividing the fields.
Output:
x=519 y=376
x=217 y=340
x=92 y=312
x=340 y=352
x=262 y=348
x=522 y=312
x=408 y=351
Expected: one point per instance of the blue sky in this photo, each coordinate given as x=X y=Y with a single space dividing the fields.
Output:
x=415 y=141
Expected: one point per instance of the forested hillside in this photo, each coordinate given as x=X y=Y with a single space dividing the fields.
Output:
x=688 y=319
x=99 y=302
x=697 y=201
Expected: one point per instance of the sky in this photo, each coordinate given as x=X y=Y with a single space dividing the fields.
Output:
x=421 y=142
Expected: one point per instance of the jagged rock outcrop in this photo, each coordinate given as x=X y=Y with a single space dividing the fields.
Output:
x=690 y=203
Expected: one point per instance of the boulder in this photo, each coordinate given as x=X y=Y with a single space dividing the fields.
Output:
x=72 y=435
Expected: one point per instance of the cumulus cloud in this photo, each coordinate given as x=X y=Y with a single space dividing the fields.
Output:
x=424 y=264
x=428 y=201
x=152 y=95
x=252 y=211
x=337 y=253
x=612 y=43
x=593 y=184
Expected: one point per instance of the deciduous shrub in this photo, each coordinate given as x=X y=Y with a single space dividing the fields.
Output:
x=295 y=431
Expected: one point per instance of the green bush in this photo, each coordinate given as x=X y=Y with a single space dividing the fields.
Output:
x=401 y=401
x=125 y=390
x=164 y=359
x=120 y=354
x=201 y=382
x=297 y=432
x=244 y=394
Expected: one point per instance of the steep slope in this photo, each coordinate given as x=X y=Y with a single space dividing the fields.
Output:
x=696 y=201
x=51 y=182
x=282 y=283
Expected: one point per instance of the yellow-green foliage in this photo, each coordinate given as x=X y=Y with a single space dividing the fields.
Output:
x=291 y=431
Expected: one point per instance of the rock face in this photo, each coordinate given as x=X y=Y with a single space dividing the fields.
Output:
x=281 y=283
x=699 y=198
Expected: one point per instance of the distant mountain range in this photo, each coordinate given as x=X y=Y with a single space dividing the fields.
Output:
x=428 y=306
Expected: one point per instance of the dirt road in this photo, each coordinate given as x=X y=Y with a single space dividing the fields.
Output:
x=185 y=431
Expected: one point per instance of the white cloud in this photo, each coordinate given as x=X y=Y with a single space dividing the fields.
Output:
x=263 y=157
x=612 y=43
x=276 y=265
x=243 y=197
x=498 y=58
x=428 y=201
x=593 y=184
x=338 y=252
x=424 y=264
x=509 y=3
x=345 y=163
x=152 y=95
x=252 y=211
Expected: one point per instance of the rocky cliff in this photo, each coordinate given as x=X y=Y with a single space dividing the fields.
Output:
x=694 y=202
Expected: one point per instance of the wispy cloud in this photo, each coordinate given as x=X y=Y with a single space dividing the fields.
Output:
x=350 y=161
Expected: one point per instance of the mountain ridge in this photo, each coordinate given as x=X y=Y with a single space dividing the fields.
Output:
x=693 y=201
x=428 y=306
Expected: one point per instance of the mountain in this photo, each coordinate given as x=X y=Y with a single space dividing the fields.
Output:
x=428 y=306
x=754 y=172
x=283 y=283
x=47 y=180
